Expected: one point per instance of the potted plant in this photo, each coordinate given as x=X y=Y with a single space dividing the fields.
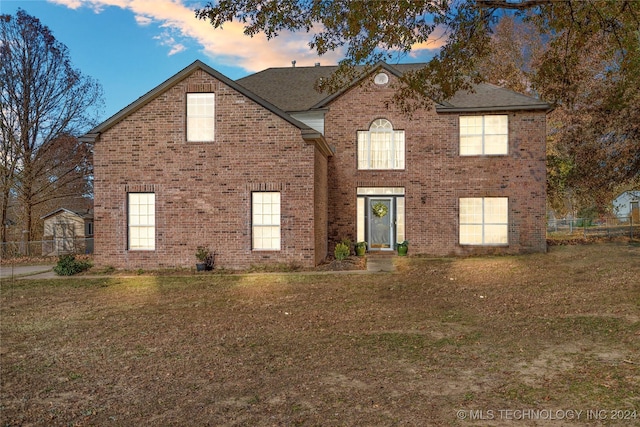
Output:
x=205 y=259
x=361 y=248
x=402 y=248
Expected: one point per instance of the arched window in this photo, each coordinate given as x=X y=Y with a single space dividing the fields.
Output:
x=381 y=147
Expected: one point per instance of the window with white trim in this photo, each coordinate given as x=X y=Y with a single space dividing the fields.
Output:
x=200 y=117
x=397 y=193
x=484 y=135
x=381 y=147
x=265 y=223
x=484 y=221
x=142 y=221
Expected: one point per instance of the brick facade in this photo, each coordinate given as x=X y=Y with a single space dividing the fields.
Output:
x=436 y=176
x=203 y=190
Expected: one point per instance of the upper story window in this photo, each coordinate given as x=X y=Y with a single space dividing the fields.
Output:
x=488 y=135
x=200 y=117
x=381 y=147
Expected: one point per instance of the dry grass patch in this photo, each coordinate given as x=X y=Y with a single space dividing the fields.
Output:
x=556 y=331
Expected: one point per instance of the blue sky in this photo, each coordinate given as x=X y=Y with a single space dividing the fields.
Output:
x=131 y=46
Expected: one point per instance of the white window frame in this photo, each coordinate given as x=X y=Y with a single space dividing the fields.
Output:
x=201 y=117
x=381 y=133
x=479 y=136
x=398 y=195
x=266 y=221
x=484 y=221
x=141 y=221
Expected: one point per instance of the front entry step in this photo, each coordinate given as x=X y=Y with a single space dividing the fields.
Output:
x=380 y=262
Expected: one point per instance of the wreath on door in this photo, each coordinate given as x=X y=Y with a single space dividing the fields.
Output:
x=380 y=209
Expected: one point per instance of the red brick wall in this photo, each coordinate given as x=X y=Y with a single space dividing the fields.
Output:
x=321 y=200
x=436 y=176
x=203 y=190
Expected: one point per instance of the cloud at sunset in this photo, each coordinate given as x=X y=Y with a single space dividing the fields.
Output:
x=436 y=40
x=178 y=28
x=230 y=46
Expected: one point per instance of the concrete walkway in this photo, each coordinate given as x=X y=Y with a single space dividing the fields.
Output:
x=30 y=271
x=376 y=263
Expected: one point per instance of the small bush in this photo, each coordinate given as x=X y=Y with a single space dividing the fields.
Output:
x=341 y=251
x=68 y=265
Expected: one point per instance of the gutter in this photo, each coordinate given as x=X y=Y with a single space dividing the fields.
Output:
x=444 y=109
x=312 y=136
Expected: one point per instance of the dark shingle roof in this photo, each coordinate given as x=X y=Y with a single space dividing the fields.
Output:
x=487 y=97
x=291 y=89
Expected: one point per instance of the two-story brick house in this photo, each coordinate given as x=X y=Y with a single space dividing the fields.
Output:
x=265 y=169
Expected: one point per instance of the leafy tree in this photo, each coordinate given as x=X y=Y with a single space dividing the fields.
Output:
x=582 y=56
x=514 y=48
x=372 y=30
x=593 y=142
x=43 y=101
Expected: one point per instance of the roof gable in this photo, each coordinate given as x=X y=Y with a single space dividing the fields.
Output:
x=629 y=194
x=300 y=94
x=376 y=68
x=94 y=133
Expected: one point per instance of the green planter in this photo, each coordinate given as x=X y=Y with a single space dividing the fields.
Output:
x=361 y=248
x=402 y=248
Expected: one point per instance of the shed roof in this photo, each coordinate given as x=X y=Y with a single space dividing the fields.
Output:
x=86 y=214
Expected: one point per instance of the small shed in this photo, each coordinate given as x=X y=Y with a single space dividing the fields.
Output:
x=67 y=231
x=626 y=206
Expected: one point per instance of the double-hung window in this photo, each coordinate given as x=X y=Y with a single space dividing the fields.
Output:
x=142 y=221
x=381 y=147
x=484 y=221
x=265 y=224
x=484 y=135
x=200 y=117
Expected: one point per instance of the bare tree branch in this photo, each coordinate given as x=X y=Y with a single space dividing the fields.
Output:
x=42 y=99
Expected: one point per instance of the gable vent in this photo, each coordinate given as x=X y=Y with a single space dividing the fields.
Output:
x=381 y=79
